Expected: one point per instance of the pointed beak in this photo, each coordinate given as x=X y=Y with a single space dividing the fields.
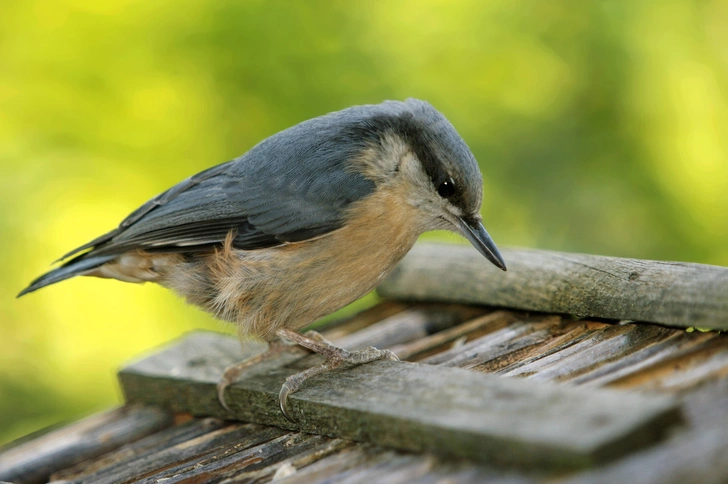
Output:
x=474 y=231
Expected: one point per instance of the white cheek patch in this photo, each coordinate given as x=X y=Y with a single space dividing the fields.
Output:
x=382 y=162
x=412 y=170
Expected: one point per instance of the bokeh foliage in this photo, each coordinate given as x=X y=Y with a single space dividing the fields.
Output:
x=600 y=127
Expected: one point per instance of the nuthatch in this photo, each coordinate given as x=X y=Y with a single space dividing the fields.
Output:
x=304 y=223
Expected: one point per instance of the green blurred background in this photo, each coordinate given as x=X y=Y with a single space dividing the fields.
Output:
x=600 y=127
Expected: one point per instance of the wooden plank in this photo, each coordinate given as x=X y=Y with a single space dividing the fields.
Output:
x=371 y=315
x=331 y=466
x=134 y=455
x=675 y=344
x=449 y=411
x=711 y=365
x=603 y=346
x=212 y=446
x=699 y=454
x=672 y=293
x=474 y=328
x=35 y=460
x=234 y=461
x=409 y=325
x=699 y=457
x=496 y=344
x=555 y=340
x=573 y=333
x=298 y=457
x=680 y=361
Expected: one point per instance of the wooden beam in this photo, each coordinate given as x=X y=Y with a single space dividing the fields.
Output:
x=672 y=293
x=448 y=411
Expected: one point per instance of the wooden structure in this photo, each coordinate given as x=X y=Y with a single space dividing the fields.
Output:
x=488 y=391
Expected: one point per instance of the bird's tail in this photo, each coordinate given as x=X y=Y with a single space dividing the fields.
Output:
x=75 y=267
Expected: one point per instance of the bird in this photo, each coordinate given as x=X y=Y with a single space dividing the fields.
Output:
x=307 y=221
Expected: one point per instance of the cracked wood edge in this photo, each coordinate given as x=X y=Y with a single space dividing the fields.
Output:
x=449 y=411
x=672 y=293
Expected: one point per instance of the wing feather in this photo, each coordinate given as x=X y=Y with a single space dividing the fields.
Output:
x=293 y=186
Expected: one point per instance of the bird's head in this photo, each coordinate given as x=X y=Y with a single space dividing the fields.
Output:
x=413 y=147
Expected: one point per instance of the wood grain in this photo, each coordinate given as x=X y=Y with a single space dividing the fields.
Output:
x=448 y=411
x=695 y=455
x=35 y=460
x=672 y=293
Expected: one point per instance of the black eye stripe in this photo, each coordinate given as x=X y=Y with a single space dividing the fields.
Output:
x=446 y=189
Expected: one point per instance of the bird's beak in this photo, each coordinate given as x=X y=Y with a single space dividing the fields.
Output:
x=474 y=231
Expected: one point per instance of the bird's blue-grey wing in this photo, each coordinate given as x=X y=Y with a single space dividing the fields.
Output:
x=293 y=186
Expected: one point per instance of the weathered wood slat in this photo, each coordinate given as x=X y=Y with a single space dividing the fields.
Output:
x=419 y=348
x=411 y=324
x=297 y=459
x=334 y=466
x=675 y=362
x=135 y=455
x=218 y=466
x=671 y=345
x=672 y=293
x=410 y=406
x=607 y=344
x=573 y=333
x=363 y=319
x=714 y=366
x=700 y=457
x=496 y=344
x=211 y=446
x=35 y=460
x=697 y=455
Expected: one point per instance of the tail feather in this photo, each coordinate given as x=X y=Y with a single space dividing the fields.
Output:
x=74 y=267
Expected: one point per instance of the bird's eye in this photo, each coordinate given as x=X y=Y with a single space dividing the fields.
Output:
x=446 y=189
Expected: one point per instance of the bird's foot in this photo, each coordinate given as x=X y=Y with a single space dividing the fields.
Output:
x=233 y=372
x=335 y=357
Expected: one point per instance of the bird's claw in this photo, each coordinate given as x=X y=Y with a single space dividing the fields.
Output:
x=233 y=372
x=283 y=400
x=341 y=358
x=221 y=387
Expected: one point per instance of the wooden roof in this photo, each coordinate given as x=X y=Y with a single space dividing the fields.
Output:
x=585 y=399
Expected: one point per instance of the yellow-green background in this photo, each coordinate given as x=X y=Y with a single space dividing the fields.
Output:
x=600 y=126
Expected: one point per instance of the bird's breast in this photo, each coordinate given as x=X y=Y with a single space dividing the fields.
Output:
x=293 y=285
